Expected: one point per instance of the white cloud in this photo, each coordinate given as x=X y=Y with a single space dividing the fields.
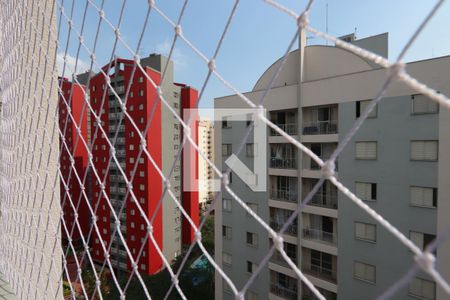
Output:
x=70 y=65
x=178 y=58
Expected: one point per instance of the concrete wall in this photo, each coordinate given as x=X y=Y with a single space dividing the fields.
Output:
x=394 y=173
x=171 y=214
x=238 y=220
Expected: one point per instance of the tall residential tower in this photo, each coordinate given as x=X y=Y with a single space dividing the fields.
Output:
x=398 y=163
x=162 y=141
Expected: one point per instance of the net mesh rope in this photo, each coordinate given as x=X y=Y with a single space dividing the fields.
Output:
x=31 y=253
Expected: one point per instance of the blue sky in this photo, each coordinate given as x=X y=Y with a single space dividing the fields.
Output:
x=259 y=34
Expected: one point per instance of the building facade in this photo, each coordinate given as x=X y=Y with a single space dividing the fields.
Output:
x=397 y=163
x=206 y=145
x=73 y=156
x=162 y=142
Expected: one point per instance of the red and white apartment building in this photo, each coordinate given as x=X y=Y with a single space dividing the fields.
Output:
x=163 y=140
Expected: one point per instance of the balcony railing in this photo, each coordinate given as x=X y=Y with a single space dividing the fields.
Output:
x=285 y=195
x=119 y=90
x=283 y=163
x=290 y=129
x=319 y=235
x=278 y=259
x=320 y=272
x=284 y=292
x=313 y=165
x=321 y=127
x=290 y=230
x=324 y=200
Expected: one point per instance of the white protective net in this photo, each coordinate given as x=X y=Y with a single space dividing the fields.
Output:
x=47 y=251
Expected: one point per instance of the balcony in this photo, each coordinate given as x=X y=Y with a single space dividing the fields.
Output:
x=290 y=230
x=322 y=150
x=283 y=292
x=324 y=200
x=284 y=195
x=321 y=272
x=320 y=127
x=283 y=156
x=286 y=120
x=320 y=120
x=319 y=235
x=291 y=251
x=120 y=153
x=120 y=89
x=290 y=129
x=319 y=264
x=114 y=116
x=120 y=140
x=325 y=197
x=283 y=163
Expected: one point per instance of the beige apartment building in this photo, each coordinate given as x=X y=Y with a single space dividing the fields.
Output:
x=205 y=172
x=398 y=163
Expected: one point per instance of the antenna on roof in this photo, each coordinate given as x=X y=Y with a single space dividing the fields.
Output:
x=355 y=32
x=326 y=20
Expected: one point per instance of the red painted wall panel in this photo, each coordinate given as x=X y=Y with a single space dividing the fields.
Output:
x=189 y=168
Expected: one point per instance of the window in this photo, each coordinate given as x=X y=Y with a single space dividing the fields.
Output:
x=226 y=232
x=226 y=149
x=422 y=288
x=366 y=191
x=141 y=160
x=131 y=160
x=175 y=104
x=364 y=271
x=132 y=224
x=424 y=150
x=421 y=239
x=141 y=174
x=251 y=151
x=226 y=258
x=131 y=147
x=251 y=267
x=142 y=267
x=423 y=196
x=366 y=150
x=251 y=295
x=252 y=239
x=366 y=232
x=225 y=123
x=252 y=206
x=226 y=205
x=141 y=79
x=141 y=93
x=141 y=120
x=142 y=187
x=131 y=95
x=421 y=104
x=361 y=106
x=131 y=107
x=141 y=106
